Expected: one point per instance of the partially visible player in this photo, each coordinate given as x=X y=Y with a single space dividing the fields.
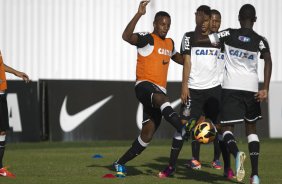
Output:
x=218 y=142
x=241 y=95
x=201 y=89
x=4 y=118
x=154 y=54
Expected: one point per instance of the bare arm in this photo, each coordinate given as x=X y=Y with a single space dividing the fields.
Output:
x=128 y=35
x=263 y=93
x=16 y=73
x=178 y=58
x=185 y=94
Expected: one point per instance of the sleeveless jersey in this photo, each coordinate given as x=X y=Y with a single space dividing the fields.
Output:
x=153 y=58
x=3 y=82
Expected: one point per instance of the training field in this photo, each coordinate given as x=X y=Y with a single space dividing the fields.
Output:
x=72 y=163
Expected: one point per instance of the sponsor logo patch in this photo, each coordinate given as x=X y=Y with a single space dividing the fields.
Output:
x=244 y=39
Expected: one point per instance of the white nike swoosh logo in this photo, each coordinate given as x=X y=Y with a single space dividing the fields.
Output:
x=70 y=122
x=139 y=114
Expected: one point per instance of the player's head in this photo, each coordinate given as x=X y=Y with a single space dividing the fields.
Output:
x=203 y=12
x=247 y=13
x=215 y=20
x=161 y=24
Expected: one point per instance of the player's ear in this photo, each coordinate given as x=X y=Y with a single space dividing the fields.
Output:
x=154 y=24
x=255 y=19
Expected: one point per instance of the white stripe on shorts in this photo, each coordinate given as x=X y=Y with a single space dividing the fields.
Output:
x=233 y=121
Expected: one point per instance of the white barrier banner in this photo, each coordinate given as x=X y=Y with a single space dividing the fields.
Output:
x=275 y=110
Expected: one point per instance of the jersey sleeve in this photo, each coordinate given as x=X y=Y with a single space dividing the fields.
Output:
x=185 y=47
x=221 y=36
x=144 y=39
x=263 y=46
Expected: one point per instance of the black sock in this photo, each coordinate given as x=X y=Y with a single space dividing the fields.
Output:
x=2 y=150
x=195 y=148
x=135 y=150
x=172 y=117
x=254 y=147
x=174 y=152
x=225 y=155
x=231 y=143
x=216 y=149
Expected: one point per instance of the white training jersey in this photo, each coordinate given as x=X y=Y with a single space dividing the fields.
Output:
x=241 y=57
x=220 y=66
x=204 y=69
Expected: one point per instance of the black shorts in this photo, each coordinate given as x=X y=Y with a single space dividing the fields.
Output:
x=144 y=92
x=238 y=106
x=202 y=102
x=4 y=119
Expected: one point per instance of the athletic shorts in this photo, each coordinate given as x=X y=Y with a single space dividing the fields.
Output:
x=202 y=102
x=144 y=92
x=4 y=119
x=238 y=106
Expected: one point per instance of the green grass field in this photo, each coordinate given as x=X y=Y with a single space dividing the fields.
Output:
x=72 y=163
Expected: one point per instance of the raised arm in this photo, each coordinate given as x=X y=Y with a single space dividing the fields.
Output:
x=128 y=35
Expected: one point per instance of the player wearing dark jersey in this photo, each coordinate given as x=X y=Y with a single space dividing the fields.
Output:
x=154 y=54
x=4 y=118
x=201 y=89
x=241 y=97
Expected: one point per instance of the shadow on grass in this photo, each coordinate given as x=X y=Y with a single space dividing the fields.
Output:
x=182 y=172
x=110 y=168
x=187 y=173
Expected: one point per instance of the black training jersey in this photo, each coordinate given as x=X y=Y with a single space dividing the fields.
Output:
x=241 y=57
x=204 y=66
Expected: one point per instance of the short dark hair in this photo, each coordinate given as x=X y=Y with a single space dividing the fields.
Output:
x=161 y=14
x=215 y=12
x=204 y=8
x=247 y=11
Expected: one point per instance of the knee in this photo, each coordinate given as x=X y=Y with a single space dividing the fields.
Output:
x=159 y=99
x=250 y=128
x=146 y=137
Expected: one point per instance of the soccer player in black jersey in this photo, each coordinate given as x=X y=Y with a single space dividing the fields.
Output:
x=240 y=96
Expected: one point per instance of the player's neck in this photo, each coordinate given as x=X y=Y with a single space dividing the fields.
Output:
x=247 y=24
x=206 y=33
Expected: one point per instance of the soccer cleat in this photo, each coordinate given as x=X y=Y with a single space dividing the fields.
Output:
x=240 y=171
x=194 y=164
x=5 y=173
x=120 y=169
x=216 y=164
x=167 y=172
x=254 y=179
x=229 y=174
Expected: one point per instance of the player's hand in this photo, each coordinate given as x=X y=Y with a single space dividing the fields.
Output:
x=185 y=94
x=23 y=76
x=261 y=95
x=142 y=7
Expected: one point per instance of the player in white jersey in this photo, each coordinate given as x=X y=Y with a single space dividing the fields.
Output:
x=201 y=89
x=241 y=97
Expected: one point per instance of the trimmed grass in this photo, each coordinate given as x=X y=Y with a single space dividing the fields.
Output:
x=71 y=163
